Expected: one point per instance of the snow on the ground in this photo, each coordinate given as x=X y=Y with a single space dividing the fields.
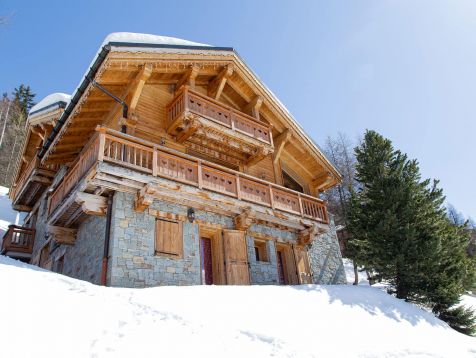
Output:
x=51 y=99
x=43 y=314
x=132 y=37
x=349 y=273
x=469 y=301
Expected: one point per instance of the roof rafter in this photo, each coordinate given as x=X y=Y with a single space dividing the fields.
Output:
x=215 y=88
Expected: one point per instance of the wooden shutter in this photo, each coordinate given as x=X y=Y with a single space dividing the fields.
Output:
x=169 y=238
x=236 y=257
x=302 y=263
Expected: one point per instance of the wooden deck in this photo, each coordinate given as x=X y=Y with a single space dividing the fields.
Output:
x=18 y=242
x=157 y=161
x=195 y=118
x=194 y=102
x=32 y=183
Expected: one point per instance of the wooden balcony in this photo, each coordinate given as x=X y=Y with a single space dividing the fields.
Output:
x=33 y=181
x=18 y=242
x=151 y=160
x=197 y=119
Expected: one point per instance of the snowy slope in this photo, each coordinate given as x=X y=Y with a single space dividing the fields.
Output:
x=43 y=314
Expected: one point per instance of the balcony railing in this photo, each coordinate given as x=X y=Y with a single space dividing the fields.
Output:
x=194 y=102
x=18 y=239
x=32 y=165
x=114 y=147
x=85 y=160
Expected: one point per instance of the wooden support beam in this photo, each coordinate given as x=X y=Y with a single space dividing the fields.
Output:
x=38 y=132
x=62 y=235
x=231 y=101
x=245 y=219
x=215 y=87
x=322 y=180
x=254 y=106
x=279 y=144
x=21 y=207
x=238 y=90
x=190 y=127
x=307 y=236
x=138 y=86
x=144 y=198
x=92 y=204
x=299 y=164
x=260 y=155
x=188 y=78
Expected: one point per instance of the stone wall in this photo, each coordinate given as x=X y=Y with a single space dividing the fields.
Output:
x=82 y=260
x=133 y=262
x=325 y=258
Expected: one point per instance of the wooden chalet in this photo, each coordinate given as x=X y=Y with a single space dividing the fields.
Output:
x=175 y=157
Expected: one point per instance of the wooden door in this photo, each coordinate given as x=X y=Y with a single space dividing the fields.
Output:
x=206 y=261
x=286 y=263
x=236 y=257
x=302 y=264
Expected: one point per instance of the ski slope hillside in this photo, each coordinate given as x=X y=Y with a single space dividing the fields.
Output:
x=43 y=314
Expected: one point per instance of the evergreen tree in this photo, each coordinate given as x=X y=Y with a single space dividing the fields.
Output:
x=401 y=231
x=23 y=96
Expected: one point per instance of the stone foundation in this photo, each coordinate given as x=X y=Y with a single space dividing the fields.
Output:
x=132 y=258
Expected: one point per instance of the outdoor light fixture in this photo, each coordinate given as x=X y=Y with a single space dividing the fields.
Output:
x=191 y=214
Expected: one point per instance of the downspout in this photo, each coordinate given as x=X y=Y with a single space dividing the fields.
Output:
x=125 y=108
x=107 y=239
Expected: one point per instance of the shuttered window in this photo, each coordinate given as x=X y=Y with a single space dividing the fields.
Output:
x=261 y=251
x=168 y=238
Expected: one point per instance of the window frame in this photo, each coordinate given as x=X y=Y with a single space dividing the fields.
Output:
x=261 y=251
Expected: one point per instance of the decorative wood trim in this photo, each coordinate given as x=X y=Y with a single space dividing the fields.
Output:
x=92 y=204
x=245 y=219
x=62 y=235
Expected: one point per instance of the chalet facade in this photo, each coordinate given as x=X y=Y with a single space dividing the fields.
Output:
x=173 y=164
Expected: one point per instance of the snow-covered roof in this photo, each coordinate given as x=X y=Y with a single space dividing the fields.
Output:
x=50 y=100
x=131 y=37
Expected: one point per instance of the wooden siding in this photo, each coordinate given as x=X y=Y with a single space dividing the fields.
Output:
x=263 y=169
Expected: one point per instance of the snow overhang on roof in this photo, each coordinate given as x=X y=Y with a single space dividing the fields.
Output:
x=49 y=103
x=148 y=39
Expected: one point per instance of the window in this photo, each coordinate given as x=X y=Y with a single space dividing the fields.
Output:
x=261 y=251
x=291 y=183
x=168 y=238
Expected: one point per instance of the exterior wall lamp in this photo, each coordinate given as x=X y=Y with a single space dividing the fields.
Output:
x=191 y=215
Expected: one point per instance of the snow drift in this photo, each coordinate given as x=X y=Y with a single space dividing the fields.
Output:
x=43 y=314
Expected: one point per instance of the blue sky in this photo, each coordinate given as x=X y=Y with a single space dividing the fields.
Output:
x=404 y=68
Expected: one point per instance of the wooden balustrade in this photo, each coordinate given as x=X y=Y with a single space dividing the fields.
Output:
x=194 y=102
x=127 y=151
x=85 y=160
x=32 y=165
x=18 y=239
